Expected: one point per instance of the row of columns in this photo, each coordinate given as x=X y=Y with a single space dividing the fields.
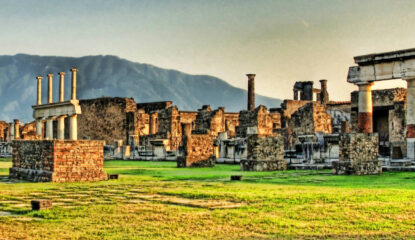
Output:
x=365 y=113
x=73 y=122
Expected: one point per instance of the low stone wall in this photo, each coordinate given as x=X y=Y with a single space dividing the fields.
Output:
x=358 y=154
x=264 y=154
x=197 y=151
x=58 y=160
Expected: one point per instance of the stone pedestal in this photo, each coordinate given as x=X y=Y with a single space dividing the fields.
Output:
x=358 y=154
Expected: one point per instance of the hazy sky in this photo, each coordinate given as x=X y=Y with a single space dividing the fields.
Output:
x=281 y=41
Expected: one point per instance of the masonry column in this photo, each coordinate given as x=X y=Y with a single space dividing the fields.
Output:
x=39 y=127
x=61 y=86
x=50 y=88
x=73 y=127
x=324 y=94
x=410 y=119
x=251 y=92
x=16 y=129
x=49 y=128
x=39 y=90
x=364 y=122
x=11 y=131
x=61 y=127
x=73 y=95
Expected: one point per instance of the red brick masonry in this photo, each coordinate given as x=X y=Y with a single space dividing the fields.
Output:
x=410 y=131
x=364 y=122
x=58 y=160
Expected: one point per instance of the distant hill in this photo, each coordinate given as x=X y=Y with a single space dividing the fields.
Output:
x=112 y=76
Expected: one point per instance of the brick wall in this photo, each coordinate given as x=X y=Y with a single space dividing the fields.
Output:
x=197 y=151
x=58 y=160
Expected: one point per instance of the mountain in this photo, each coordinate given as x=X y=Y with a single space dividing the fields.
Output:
x=112 y=76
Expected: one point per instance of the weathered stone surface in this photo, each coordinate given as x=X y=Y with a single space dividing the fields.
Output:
x=264 y=154
x=358 y=154
x=259 y=119
x=58 y=160
x=197 y=151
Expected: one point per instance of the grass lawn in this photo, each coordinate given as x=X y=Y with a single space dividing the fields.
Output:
x=156 y=200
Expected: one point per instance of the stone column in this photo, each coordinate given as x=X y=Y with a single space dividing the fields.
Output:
x=153 y=123
x=364 y=117
x=295 y=94
x=73 y=127
x=49 y=128
x=61 y=86
x=39 y=127
x=251 y=92
x=410 y=119
x=73 y=96
x=61 y=127
x=11 y=131
x=16 y=129
x=39 y=90
x=50 y=88
x=324 y=94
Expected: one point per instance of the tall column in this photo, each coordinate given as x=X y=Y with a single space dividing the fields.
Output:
x=11 y=131
x=39 y=125
x=16 y=129
x=50 y=88
x=251 y=92
x=61 y=86
x=324 y=94
x=39 y=90
x=73 y=96
x=73 y=127
x=49 y=128
x=364 y=117
x=410 y=119
x=61 y=127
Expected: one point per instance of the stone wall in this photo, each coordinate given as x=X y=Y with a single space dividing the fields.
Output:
x=259 y=119
x=213 y=121
x=105 y=119
x=4 y=128
x=264 y=154
x=358 y=154
x=58 y=160
x=197 y=151
x=310 y=119
x=153 y=106
x=231 y=122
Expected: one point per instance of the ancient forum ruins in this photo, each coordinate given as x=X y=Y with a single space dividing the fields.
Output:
x=371 y=132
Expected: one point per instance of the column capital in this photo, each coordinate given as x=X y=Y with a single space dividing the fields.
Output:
x=50 y=75
x=61 y=73
x=74 y=69
x=251 y=76
x=39 y=77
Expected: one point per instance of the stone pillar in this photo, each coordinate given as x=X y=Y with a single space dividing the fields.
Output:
x=73 y=96
x=39 y=90
x=153 y=123
x=16 y=129
x=324 y=94
x=410 y=119
x=61 y=127
x=73 y=127
x=364 y=122
x=61 y=86
x=39 y=127
x=295 y=94
x=50 y=88
x=49 y=128
x=11 y=131
x=251 y=92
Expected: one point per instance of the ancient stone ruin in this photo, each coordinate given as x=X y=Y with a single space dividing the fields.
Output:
x=56 y=159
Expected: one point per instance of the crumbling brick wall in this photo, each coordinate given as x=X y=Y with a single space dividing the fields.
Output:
x=264 y=154
x=154 y=106
x=358 y=154
x=231 y=122
x=58 y=160
x=259 y=119
x=211 y=120
x=4 y=126
x=28 y=132
x=309 y=119
x=197 y=151
x=105 y=119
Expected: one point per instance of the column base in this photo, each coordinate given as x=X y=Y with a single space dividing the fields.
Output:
x=364 y=122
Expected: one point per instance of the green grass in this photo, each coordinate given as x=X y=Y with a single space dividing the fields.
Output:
x=156 y=200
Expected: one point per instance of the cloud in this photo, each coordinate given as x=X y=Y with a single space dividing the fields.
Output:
x=305 y=23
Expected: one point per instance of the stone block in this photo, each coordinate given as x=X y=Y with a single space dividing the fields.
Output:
x=41 y=204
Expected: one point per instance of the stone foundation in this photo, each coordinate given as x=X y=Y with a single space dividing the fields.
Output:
x=358 y=155
x=197 y=151
x=58 y=160
x=264 y=154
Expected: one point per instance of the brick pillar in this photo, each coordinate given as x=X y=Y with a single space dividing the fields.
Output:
x=365 y=121
x=324 y=94
x=73 y=127
x=251 y=92
x=39 y=90
x=50 y=88
x=410 y=119
x=61 y=86
x=73 y=95
x=16 y=129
